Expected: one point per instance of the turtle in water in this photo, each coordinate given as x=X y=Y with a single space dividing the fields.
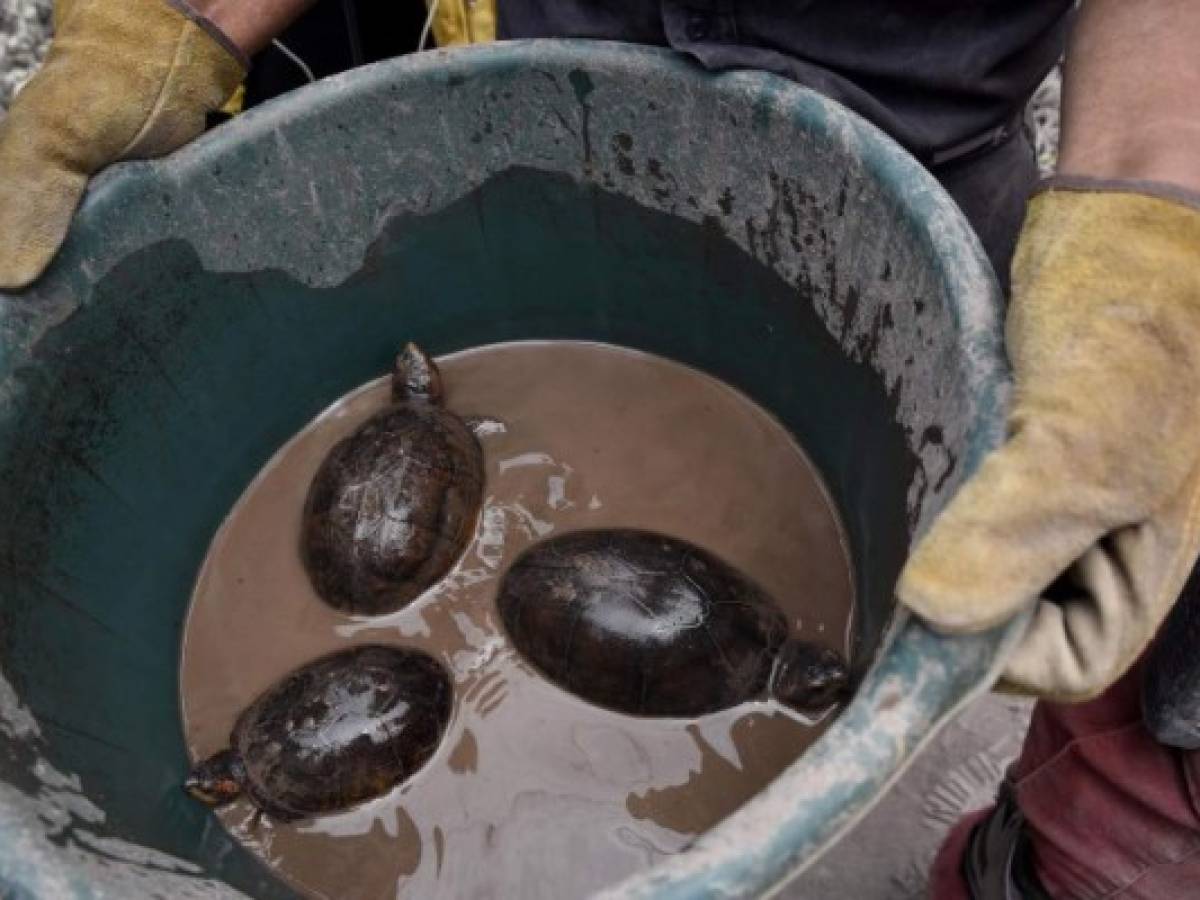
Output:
x=340 y=730
x=651 y=625
x=394 y=504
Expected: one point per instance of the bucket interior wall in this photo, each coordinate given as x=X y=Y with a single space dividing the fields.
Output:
x=144 y=386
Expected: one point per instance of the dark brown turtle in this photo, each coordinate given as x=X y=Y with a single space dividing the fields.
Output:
x=395 y=503
x=340 y=730
x=651 y=625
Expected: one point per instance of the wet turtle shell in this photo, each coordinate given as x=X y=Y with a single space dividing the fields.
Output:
x=340 y=730
x=651 y=625
x=395 y=503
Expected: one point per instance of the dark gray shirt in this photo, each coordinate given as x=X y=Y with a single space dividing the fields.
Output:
x=939 y=76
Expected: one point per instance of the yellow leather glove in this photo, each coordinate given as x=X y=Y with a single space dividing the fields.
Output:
x=463 y=21
x=1099 y=481
x=124 y=79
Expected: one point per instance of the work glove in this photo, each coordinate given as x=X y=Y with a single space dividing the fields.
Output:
x=124 y=79
x=1090 y=508
x=463 y=21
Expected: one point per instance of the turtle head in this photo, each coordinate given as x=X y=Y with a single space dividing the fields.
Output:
x=416 y=376
x=218 y=779
x=809 y=678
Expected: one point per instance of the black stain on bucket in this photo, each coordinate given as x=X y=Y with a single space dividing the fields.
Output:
x=583 y=86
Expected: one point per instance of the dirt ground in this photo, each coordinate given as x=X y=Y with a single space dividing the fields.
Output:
x=887 y=855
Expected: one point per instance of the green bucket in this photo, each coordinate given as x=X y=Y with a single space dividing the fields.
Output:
x=207 y=306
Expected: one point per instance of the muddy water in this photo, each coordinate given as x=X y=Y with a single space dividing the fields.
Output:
x=532 y=793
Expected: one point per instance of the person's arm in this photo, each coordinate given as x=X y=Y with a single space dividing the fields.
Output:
x=251 y=24
x=1090 y=512
x=1131 y=92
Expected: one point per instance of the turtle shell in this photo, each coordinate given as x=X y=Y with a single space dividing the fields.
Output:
x=342 y=729
x=641 y=623
x=392 y=507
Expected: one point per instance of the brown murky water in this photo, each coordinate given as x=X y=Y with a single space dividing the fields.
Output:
x=533 y=793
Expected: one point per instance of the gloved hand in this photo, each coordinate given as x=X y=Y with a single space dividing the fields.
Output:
x=1099 y=481
x=124 y=79
x=463 y=21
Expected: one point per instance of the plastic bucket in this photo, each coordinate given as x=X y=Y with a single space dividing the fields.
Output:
x=206 y=306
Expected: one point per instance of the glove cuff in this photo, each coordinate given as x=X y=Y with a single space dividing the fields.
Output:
x=212 y=30
x=1087 y=184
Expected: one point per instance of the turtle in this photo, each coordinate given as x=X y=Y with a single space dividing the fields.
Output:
x=340 y=730
x=394 y=504
x=651 y=625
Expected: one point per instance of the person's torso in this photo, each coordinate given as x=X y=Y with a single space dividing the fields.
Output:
x=935 y=74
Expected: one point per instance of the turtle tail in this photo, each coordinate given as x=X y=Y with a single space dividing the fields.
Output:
x=809 y=678
x=416 y=376
x=217 y=780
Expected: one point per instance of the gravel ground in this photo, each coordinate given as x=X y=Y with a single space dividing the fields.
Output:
x=24 y=31
x=1043 y=113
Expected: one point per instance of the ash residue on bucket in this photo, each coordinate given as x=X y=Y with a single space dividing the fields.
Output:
x=24 y=35
x=58 y=835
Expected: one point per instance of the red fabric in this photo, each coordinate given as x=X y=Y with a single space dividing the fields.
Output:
x=1110 y=812
x=946 y=881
